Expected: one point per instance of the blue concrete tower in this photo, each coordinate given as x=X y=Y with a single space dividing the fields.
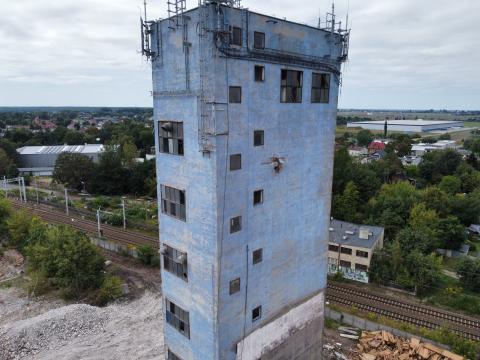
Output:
x=244 y=109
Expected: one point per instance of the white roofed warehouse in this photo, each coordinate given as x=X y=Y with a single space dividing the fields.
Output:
x=415 y=126
x=40 y=160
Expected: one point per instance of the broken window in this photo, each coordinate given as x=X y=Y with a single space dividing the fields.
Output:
x=234 y=286
x=256 y=313
x=178 y=318
x=235 y=95
x=345 y=250
x=258 y=137
x=257 y=256
x=291 y=86
x=172 y=356
x=235 y=162
x=173 y=202
x=235 y=36
x=320 y=88
x=235 y=224
x=175 y=262
x=333 y=248
x=361 y=253
x=259 y=73
x=346 y=264
x=257 y=197
x=259 y=40
x=361 y=267
x=170 y=137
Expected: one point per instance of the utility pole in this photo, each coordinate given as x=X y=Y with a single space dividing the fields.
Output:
x=36 y=188
x=98 y=223
x=66 y=200
x=24 y=191
x=5 y=186
x=124 y=217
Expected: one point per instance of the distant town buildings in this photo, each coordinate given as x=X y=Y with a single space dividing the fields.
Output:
x=422 y=148
x=414 y=126
x=350 y=248
x=40 y=160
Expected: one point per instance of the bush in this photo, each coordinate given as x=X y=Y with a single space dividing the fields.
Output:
x=111 y=290
x=69 y=259
x=147 y=255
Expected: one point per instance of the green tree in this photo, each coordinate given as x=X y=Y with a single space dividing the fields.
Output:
x=424 y=270
x=7 y=166
x=345 y=206
x=5 y=212
x=436 y=199
x=73 y=170
x=69 y=259
x=391 y=207
x=110 y=176
x=450 y=184
x=129 y=154
x=469 y=271
x=365 y=137
x=21 y=225
x=451 y=233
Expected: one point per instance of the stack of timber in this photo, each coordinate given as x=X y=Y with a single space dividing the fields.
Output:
x=381 y=345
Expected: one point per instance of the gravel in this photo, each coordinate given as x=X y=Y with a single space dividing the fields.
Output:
x=120 y=331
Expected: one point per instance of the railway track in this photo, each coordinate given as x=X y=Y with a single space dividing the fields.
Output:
x=122 y=236
x=418 y=315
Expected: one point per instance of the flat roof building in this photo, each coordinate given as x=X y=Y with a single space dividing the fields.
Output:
x=415 y=126
x=350 y=248
x=244 y=111
x=40 y=160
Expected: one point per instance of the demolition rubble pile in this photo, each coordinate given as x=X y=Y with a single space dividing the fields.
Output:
x=380 y=345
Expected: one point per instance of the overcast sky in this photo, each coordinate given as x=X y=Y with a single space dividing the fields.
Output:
x=404 y=54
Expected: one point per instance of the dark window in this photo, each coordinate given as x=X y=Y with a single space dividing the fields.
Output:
x=346 y=264
x=257 y=256
x=361 y=253
x=235 y=162
x=257 y=197
x=291 y=86
x=175 y=261
x=235 y=224
x=178 y=318
x=258 y=136
x=234 y=286
x=256 y=313
x=320 y=88
x=258 y=40
x=345 y=250
x=333 y=248
x=361 y=267
x=173 y=202
x=172 y=356
x=236 y=36
x=259 y=73
x=235 y=95
x=170 y=137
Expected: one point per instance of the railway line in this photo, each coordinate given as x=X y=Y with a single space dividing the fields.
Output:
x=337 y=293
x=121 y=236
x=418 y=315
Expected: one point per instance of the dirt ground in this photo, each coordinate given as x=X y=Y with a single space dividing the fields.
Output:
x=47 y=328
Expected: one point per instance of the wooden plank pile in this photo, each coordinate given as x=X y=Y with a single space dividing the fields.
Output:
x=381 y=345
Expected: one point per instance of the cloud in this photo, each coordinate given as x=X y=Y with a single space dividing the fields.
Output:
x=404 y=53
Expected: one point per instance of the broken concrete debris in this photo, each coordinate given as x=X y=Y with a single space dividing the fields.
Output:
x=381 y=345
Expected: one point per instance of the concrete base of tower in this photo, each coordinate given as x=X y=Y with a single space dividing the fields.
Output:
x=295 y=334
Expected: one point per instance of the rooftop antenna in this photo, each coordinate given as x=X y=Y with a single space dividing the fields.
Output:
x=145 y=9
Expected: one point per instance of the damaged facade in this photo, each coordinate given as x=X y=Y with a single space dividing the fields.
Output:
x=244 y=108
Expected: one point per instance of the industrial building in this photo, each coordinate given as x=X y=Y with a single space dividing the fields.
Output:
x=244 y=110
x=415 y=126
x=40 y=160
x=350 y=248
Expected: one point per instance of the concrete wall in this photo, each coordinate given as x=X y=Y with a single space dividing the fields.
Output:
x=292 y=223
